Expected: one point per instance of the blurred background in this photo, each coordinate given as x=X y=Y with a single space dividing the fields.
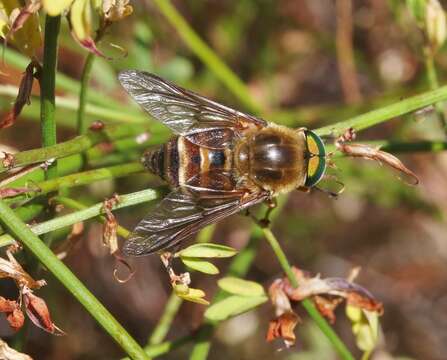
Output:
x=307 y=63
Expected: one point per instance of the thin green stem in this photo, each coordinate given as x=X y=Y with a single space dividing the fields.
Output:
x=20 y=230
x=433 y=83
x=47 y=87
x=81 y=124
x=85 y=213
x=339 y=346
x=164 y=323
x=207 y=55
x=78 y=179
x=385 y=113
x=76 y=145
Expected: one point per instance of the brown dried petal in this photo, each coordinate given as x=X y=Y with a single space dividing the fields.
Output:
x=364 y=303
x=115 y=10
x=23 y=96
x=279 y=298
x=16 y=319
x=31 y=8
x=371 y=153
x=332 y=287
x=13 y=313
x=110 y=237
x=283 y=328
x=12 y=269
x=38 y=312
x=11 y=192
x=8 y=160
x=327 y=306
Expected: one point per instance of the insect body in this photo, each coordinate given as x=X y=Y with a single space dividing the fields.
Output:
x=221 y=161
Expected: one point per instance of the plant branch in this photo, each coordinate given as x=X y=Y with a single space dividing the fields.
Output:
x=164 y=323
x=21 y=231
x=385 y=113
x=433 y=83
x=78 y=179
x=47 y=86
x=74 y=146
x=207 y=55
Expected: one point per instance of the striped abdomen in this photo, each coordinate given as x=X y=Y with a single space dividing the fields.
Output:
x=180 y=160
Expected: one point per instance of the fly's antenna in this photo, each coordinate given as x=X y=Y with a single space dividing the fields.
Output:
x=331 y=193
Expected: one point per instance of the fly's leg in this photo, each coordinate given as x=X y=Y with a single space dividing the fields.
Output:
x=265 y=221
x=167 y=258
x=271 y=203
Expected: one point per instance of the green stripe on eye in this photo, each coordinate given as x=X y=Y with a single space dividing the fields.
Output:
x=317 y=160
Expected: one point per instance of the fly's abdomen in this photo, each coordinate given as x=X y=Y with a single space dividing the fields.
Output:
x=179 y=160
x=164 y=161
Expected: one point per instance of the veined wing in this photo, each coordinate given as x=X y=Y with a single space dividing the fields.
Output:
x=185 y=112
x=182 y=213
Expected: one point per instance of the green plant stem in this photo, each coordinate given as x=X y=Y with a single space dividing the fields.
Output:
x=76 y=145
x=207 y=55
x=47 y=86
x=81 y=124
x=385 y=113
x=21 y=231
x=339 y=346
x=433 y=83
x=78 y=179
x=85 y=213
x=164 y=323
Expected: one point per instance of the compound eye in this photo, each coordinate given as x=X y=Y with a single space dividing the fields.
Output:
x=317 y=159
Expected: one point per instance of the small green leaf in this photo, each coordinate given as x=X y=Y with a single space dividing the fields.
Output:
x=208 y=250
x=190 y=294
x=200 y=265
x=241 y=287
x=232 y=306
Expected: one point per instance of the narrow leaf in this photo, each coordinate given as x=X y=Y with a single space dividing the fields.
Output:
x=241 y=287
x=232 y=306
x=208 y=250
x=200 y=265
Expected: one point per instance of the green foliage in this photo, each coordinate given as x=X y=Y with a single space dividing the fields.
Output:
x=200 y=265
x=232 y=306
x=207 y=250
x=241 y=287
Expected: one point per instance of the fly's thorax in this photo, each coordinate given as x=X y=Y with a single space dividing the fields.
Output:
x=273 y=158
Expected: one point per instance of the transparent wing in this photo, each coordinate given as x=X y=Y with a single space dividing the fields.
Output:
x=183 y=111
x=182 y=213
